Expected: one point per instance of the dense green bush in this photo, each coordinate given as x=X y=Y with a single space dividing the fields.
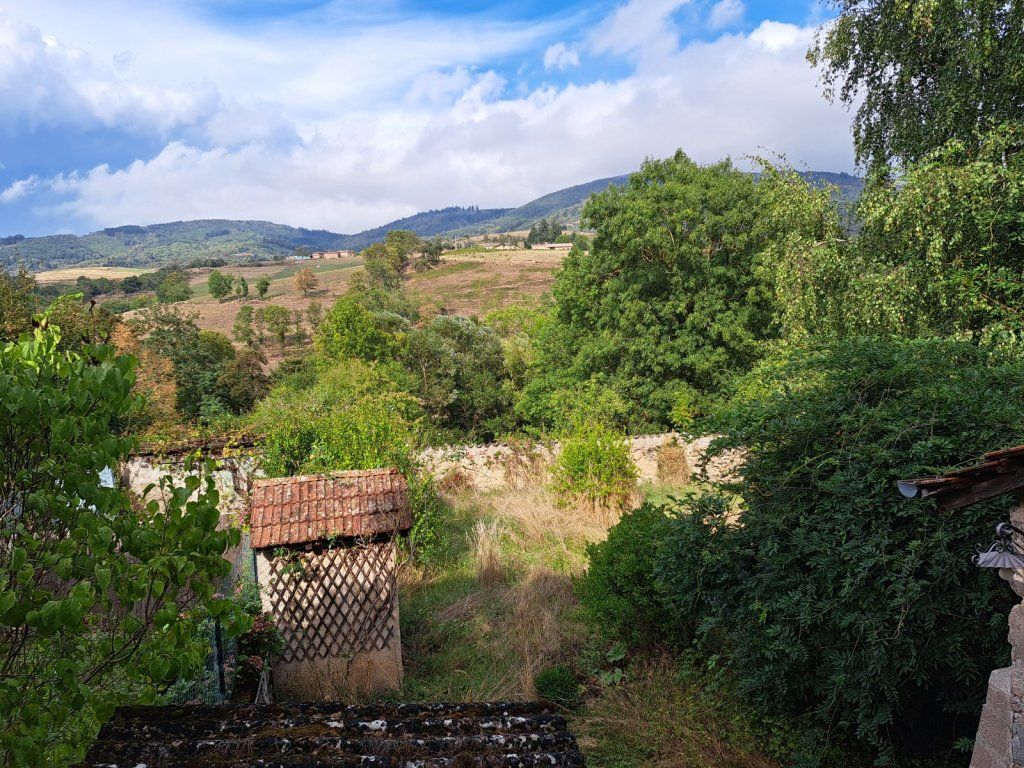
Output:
x=350 y=330
x=837 y=603
x=101 y=601
x=594 y=467
x=617 y=591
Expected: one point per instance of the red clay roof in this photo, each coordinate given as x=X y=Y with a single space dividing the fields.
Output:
x=303 y=509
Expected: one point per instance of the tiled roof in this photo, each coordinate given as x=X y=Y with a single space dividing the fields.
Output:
x=999 y=472
x=303 y=509
x=497 y=735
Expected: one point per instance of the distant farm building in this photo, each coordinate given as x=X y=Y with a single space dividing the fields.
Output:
x=333 y=254
x=552 y=246
x=326 y=568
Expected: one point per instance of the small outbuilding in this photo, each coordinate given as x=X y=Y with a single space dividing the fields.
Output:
x=326 y=565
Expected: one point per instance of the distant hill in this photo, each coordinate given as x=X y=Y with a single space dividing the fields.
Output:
x=564 y=206
x=180 y=242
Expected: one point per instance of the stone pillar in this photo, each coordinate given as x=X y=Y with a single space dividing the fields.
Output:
x=1000 y=739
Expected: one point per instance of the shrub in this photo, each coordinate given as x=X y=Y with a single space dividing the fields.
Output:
x=594 y=467
x=848 y=606
x=558 y=685
x=618 y=591
x=351 y=417
x=350 y=330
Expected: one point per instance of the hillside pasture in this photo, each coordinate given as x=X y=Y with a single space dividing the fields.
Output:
x=466 y=285
x=70 y=274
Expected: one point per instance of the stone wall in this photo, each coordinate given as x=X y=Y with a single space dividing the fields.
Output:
x=1000 y=739
x=668 y=457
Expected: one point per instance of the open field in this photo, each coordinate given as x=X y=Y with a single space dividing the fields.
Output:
x=70 y=274
x=468 y=285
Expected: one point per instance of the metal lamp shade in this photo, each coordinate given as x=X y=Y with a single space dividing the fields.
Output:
x=998 y=556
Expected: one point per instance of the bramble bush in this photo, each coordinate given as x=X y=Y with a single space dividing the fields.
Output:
x=839 y=607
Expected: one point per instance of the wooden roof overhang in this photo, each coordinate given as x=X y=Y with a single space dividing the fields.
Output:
x=1000 y=472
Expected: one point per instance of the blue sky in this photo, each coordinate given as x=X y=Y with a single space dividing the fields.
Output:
x=346 y=115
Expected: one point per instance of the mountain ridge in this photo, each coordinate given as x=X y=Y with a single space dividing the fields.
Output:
x=233 y=240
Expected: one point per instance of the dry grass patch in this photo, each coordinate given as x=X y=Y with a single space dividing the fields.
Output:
x=487 y=552
x=665 y=715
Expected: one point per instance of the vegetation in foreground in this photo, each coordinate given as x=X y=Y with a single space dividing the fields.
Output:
x=807 y=609
x=495 y=616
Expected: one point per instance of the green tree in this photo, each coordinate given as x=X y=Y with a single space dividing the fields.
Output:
x=218 y=284
x=263 y=287
x=93 y=600
x=457 y=367
x=922 y=73
x=315 y=315
x=199 y=359
x=243 y=381
x=350 y=330
x=387 y=262
x=17 y=303
x=669 y=297
x=241 y=287
x=243 y=329
x=174 y=287
x=278 y=320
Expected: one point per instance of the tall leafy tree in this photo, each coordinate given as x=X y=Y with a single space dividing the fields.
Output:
x=262 y=287
x=218 y=284
x=921 y=73
x=668 y=300
x=243 y=329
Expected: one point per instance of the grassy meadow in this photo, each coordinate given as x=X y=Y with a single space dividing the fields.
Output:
x=496 y=608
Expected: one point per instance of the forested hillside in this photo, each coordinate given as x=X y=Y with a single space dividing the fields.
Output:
x=182 y=242
x=235 y=241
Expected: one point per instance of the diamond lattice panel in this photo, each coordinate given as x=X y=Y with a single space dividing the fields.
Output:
x=336 y=602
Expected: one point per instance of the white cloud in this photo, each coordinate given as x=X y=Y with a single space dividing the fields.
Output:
x=46 y=83
x=775 y=36
x=560 y=56
x=725 y=13
x=640 y=27
x=19 y=189
x=460 y=137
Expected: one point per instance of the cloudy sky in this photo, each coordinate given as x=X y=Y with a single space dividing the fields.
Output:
x=346 y=115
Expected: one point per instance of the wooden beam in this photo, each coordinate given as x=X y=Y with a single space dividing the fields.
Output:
x=1011 y=482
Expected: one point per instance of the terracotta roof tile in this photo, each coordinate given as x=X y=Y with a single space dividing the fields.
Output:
x=306 y=508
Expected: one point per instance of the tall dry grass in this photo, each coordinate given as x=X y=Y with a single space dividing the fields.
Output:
x=486 y=545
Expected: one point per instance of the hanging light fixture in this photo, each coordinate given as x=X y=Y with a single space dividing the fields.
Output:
x=1002 y=553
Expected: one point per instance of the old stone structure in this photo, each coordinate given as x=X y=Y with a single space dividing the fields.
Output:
x=326 y=569
x=668 y=457
x=1000 y=739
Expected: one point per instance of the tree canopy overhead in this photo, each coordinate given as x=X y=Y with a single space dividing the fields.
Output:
x=921 y=73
